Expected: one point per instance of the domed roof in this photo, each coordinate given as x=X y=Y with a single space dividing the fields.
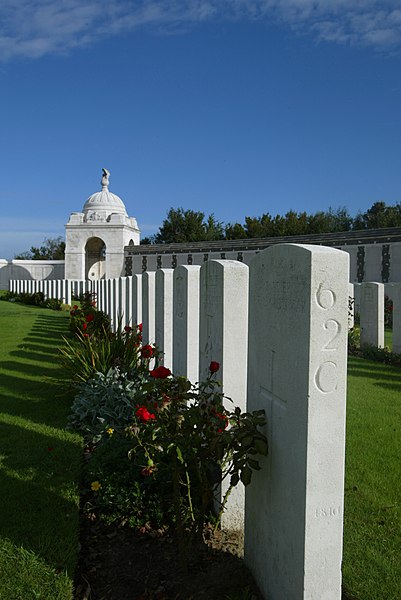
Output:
x=100 y=205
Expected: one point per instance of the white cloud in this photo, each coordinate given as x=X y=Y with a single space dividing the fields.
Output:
x=34 y=28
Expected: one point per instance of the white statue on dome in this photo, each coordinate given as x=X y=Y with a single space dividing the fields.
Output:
x=105 y=178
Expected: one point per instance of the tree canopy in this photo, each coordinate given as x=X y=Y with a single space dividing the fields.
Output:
x=189 y=226
x=51 y=249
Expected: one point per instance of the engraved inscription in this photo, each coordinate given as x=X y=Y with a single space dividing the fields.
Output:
x=368 y=294
x=334 y=328
x=325 y=297
x=326 y=377
x=327 y=512
x=179 y=298
x=287 y=295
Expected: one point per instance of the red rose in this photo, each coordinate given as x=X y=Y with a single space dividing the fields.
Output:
x=147 y=351
x=127 y=329
x=214 y=366
x=144 y=415
x=160 y=373
x=75 y=307
x=89 y=318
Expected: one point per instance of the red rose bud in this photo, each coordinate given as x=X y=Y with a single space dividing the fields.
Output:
x=140 y=327
x=214 y=366
x=127 y=329
x=84 y=326
x=160 y=373
x=144 y=415
x=89 y=318
x=147 y=351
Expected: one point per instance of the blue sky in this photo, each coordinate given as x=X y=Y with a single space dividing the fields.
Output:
x=232 y=107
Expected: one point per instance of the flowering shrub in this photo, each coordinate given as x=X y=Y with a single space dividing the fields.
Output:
x=90 y=353
x=104 y=405
x=177 y=442
x=86 y=318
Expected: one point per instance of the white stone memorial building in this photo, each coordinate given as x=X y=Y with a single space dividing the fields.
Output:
x=96 y=237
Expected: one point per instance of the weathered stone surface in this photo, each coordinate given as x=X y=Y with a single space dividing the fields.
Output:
x=148 y=307
x=372 y=314
x=297 y=374
x=186 y=321
x=223 y=338
x=164 y=315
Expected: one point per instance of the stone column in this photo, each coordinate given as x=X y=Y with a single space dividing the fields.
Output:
x=186 y=322
x=164 y=315
x=297 y=374
x=223 y=338
x=372 y=314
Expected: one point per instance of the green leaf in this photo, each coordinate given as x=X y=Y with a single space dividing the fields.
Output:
x=261 y=446
x=179 y=455
x=253 y=464
x=246 y=475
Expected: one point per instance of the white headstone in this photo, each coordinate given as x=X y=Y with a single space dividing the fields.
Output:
x=148 y=307
x=186 y=322
x=101 y=300
x=164 y=315
x=223 y=338
x=372 y=314
x=122 y=300
x=137 y=299
x=110 y=301
x=297 y=374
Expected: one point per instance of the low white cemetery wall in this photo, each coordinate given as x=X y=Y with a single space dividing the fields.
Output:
x=34 y=270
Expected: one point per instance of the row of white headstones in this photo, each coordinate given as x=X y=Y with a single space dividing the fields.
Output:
x=278 y=328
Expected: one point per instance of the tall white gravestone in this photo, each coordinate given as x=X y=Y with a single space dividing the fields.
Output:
x=186 y=322
x=223 y=338
x=297 y=373
x=164 y=315
x=148 y=307
x=372 y=314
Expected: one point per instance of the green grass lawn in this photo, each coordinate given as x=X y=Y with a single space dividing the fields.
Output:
x=40 y=466
x=372 y=527
x=39 y=461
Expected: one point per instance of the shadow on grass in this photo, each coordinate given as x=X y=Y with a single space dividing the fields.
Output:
x=33 y=515
x=38 y=465
x=360 y=367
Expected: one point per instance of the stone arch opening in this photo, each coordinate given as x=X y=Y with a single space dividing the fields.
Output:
x=95 y=259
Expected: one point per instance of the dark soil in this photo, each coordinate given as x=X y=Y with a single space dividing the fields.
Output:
x=118 y=563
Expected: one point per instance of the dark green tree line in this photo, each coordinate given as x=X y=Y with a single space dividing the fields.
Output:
x=191 y=226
